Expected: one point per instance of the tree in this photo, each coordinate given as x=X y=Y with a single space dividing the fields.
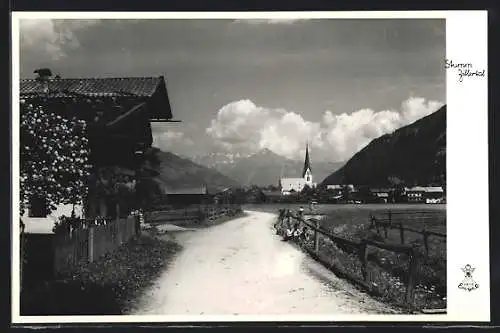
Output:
x=53 y=159
x=346 y=192
x=307 y=191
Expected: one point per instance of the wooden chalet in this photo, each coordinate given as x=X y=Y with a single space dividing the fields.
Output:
x=118 y=113
x=188 y=196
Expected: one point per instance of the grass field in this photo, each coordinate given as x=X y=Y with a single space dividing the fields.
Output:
x=388 y=270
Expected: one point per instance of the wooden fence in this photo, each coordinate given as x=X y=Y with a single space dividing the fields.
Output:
x=392 y=220
x=198 y=214
x=360 y=248
x=87 y=244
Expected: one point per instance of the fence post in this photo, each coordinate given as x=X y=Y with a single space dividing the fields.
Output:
x=138 y=225
x=426 y=241
x=316 y=238
x=412 y=277
x=401 y=233
x=390 y=218
x=118 y=226
x=385 y=230
x=363 y=256
x=91 y=243
x=376 y=224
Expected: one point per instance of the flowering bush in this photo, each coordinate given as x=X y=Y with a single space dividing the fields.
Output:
x=66 y=224
x=53 y=158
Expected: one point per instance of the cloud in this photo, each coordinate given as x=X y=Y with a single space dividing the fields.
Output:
x=50 y=38
x=174 y=141
x=244 y=127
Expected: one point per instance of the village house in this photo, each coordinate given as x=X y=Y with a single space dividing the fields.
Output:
x=336 y=189
x=272 y=195
x=383 y=195
x=119 y=113
x=434 y=194
x=415 y=194
x=341 y=192
x=188 y=196
x=428 y=194
x=296 y=185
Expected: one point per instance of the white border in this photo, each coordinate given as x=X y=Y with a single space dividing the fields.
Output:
x=467 y=161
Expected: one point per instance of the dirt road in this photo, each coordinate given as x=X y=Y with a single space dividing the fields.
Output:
x=241 y=267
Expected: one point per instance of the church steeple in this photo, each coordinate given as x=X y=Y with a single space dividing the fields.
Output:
x=307 y=162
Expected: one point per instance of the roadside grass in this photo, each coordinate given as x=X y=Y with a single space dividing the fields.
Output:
x=106 y=286
x=388 y=270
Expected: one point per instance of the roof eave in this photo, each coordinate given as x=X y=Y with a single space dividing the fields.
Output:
x=161 y=103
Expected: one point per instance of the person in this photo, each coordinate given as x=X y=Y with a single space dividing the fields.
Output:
x=296 y=232
x=289 y=233
x=301 y=211
x=303 y=234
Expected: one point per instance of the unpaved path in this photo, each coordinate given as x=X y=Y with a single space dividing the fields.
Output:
x=242 y=267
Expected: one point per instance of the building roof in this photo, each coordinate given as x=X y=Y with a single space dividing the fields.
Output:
x=184 y=191
x=434 y=189
x=272 y=193
x=307 y=162
x=380 y=190
x=417 y=189
x=139 y=87
x=292 y=180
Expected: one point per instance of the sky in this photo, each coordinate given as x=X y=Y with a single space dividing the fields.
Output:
x=242 y=85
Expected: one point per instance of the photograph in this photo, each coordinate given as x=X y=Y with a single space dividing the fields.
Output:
x=199 y=168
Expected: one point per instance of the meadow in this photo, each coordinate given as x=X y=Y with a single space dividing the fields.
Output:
x=388 y=270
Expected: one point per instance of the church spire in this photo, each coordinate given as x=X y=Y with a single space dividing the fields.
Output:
x=307 y=163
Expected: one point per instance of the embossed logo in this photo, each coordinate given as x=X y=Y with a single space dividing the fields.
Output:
x=468 y=282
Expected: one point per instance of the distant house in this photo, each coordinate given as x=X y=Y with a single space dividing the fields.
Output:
x=290 y=185
x=337 y=189
x=188 y=196
x=340 y=192
x=226 y=196
x=434 y=194
x=429 y=194
x=415 y=194
x=118 y=111
x=272 y=195
x=384 y=195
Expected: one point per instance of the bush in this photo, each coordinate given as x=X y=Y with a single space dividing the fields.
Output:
x=104 y=287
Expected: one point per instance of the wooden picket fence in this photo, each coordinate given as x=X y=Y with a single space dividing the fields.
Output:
x=87 y=244
x=359 y=247
x=195 y=213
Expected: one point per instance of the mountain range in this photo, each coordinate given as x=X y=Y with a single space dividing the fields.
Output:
x=413 y=155
x=174 y=172
x=264 y=167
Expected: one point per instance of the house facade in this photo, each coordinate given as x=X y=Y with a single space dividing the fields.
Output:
x=383 y=195
x=427 y=194
x=118 y=113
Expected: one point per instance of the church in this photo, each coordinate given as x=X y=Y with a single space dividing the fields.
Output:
x=291 y=185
